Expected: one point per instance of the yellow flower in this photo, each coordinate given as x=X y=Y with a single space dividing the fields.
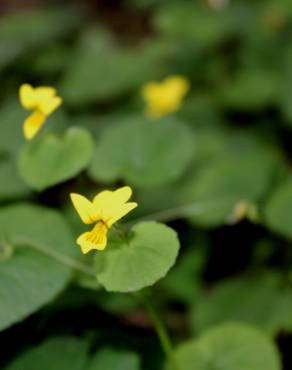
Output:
x=106 y=208
x=43 y=101
x=165 y=97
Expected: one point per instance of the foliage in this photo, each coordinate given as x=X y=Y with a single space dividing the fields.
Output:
x=209 y=245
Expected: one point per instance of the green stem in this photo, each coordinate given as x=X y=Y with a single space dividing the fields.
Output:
x=187 y=210
x=62 y=258
x=120 y=231
x=160 y=330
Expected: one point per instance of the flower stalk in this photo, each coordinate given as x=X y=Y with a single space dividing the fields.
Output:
x=160 y=330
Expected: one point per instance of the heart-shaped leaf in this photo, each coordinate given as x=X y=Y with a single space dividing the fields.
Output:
x=23 y=31
x=229 y=347
x=31 y=276
x=133 y=264
x=11 y=185
x=56 y=353
x=252 y=89
x=11 y=139
x=278 y=210
x=49 y=159
x=190 y=21
x=71 y=353
x=100 y=70
x=143 y=152
x=260 y=301
x=110 y=359
x=227 y=180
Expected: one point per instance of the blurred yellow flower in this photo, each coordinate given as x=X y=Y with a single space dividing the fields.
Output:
x=106 y=208
x=43 y=101
x=165 y=97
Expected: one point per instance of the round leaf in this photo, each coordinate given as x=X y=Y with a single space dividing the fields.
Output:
x=30 y=278
x=229 y=347
x=184 y=282
x=71 y=353
x=21 y=32
x=133 y=264
x=11 y=138
x=252 y=89
x=56 y=353
x=109 y=359
x=100 y=70
x=258 y=301
x=225 y=181
x=278 y=210
x=143 y=152
x=49 y=160
x=11 y=185
x=190 y=21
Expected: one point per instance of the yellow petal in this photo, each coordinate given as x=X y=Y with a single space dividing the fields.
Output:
x=178 y=84
x=84 y=208
x=49 y=105
x=107 y=198
x=94 y=239
x=150 y=90
x=32 y=124
x=121 y=212
x=122 y=195
x=27 y=96
x=46 y=91
x=107 y=202
x=165 y=97
x=47 y=101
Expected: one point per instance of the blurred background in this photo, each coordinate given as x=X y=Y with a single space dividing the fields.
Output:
x=235 y=260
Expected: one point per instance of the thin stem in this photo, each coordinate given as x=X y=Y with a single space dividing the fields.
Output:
x=160 y=330
x=120 y=232
x=192 y=209
x=62 y=258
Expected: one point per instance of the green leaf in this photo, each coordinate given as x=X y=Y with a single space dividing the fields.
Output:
x=184 y=282
x=259 y=301
x=194 y=22
x=11 y=139
x=143 y=152
x=12 y=116
x=117 y=303
x=49 y=160
x=21 y=32
x=278 y=210
x=285 y=93
x=56 y=353
x=251 y=89
x=62 y=353
x=100 y=70
x=11 y=185
x=229 y=347
x=143 y=259
x=152 y=201
x=227 y=180
x=190 y=21
x=51 y=60
x=110 y=359
x=31 y=277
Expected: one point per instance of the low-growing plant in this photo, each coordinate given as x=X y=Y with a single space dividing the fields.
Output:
x=145 y=193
